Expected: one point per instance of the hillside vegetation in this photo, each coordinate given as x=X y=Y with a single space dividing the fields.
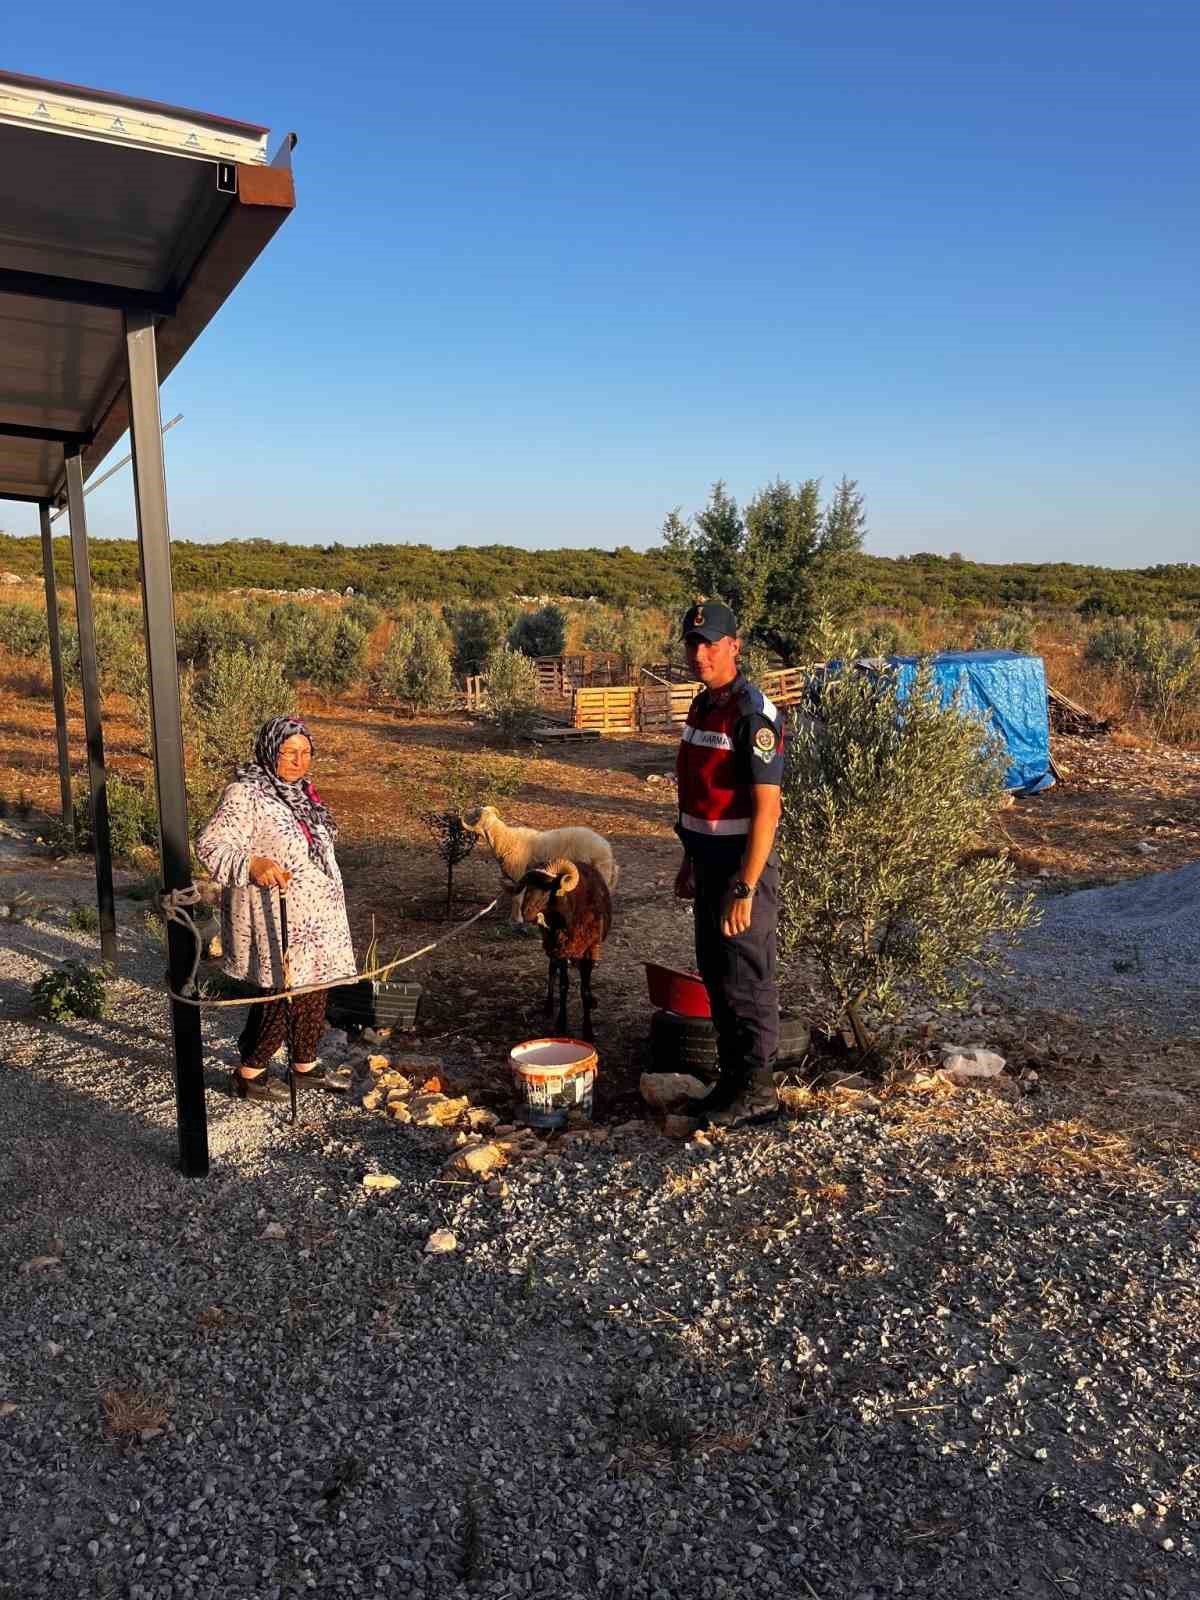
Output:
x=395 y=572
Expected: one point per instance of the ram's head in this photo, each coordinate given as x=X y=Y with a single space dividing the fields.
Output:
x=541 y=885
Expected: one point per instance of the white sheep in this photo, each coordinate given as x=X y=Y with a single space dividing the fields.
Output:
x=517 y=849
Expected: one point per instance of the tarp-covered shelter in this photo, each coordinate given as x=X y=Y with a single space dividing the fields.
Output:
x=1008 y=692
x=124 y=227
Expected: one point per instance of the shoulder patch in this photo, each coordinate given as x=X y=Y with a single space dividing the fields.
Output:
x=764 y=743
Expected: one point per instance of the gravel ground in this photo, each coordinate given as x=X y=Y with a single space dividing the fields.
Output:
x=854 y=1357
x=1128 y=953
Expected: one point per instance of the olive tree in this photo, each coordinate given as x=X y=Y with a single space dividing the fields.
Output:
x=888 y=793
x=416 y=664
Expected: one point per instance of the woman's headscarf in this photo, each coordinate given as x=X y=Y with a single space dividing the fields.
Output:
x=301 y=799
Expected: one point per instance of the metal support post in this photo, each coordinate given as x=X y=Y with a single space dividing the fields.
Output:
x=56 y=671
x=92 y=722
x=166 y=731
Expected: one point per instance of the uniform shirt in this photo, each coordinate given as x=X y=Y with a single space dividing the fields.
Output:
x=731 y=743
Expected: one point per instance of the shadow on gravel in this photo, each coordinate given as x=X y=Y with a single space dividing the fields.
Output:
x=806 y=1362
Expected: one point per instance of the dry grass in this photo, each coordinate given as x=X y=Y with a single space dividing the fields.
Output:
x=1060 y=1150
x=827 y=1194
x=678 y=1183
x=129 y=1412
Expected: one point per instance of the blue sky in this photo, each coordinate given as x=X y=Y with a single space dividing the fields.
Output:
x=556 y=266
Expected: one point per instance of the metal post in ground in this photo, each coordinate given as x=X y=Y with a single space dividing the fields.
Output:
x=93 y=724
x=166 y=731
x=56 y=672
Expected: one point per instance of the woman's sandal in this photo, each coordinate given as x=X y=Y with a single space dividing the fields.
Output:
x=262 y=1087
x=313 y=1075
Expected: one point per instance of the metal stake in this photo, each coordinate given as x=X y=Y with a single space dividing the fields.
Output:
x=166 y=731
x=56 y=671
x=92 y=723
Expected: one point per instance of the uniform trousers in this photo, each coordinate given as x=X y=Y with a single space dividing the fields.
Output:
x=739 y=973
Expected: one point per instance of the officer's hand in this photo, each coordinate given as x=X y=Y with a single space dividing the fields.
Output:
x=735 y=915
x=685 y=880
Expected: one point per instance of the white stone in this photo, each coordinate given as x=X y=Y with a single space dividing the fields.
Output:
x=665 y=1089
x=380 y=1180
x=965 y=1064
x=479 y=1159
x=274 y=1230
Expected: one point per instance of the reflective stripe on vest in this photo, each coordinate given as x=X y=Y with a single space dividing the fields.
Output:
x=714 y=824
x=706 y=737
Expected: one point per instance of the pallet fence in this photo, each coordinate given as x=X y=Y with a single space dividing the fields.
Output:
x=663 y=707
x=607 y=710
x=651 y=707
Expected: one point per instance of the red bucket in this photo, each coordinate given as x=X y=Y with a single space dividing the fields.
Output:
x=672 y=989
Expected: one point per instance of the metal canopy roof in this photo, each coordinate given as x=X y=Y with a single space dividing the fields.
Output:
x=109 y=205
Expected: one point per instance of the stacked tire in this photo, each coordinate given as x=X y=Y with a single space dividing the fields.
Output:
x=689 y=1044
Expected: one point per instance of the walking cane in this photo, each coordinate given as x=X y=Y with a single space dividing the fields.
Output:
x=287 y=984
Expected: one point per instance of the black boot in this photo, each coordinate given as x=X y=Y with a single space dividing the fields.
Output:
x=753 y=1105
x=718 y=1099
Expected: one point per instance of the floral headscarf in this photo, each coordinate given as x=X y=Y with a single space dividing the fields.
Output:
x=301 y=799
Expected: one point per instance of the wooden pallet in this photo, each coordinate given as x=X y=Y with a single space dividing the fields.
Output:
x=663 y=708
x=549 y=735
x=607 y=710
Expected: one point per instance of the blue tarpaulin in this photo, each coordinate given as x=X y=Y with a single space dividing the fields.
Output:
x=1009 y=692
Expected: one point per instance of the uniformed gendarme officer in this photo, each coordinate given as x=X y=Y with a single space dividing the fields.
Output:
x=729 y=770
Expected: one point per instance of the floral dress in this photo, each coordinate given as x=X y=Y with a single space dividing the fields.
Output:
x=248 y=823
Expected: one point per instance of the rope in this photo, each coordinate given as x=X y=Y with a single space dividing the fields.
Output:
x=175 y=902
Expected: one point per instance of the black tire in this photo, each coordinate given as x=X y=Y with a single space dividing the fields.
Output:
x=682 y=1044
x=685 y=1044
x=794 y=1036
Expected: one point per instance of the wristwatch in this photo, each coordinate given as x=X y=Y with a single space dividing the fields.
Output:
x=742 y=890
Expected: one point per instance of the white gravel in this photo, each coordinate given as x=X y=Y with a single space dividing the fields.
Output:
x=648 y=1370
x=1126 y=953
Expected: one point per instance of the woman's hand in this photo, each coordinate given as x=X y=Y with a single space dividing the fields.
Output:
x=268 y=874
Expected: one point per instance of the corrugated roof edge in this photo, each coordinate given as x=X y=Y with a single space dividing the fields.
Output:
x=250 y=129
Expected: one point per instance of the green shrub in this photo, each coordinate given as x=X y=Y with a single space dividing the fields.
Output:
x=1010 y=630
x=317 y=644
x=338 y=654
x=539 y=633
x=476 y=631
x=238 y=694
x=1160 y=667
x=72 y=990
x=415 y=669
x=207 y=629
x=23 y=630
x=601 y=630
x=84 y=918
x=884 y=799
x=885 y=638
x=513 y=705
x=120 y=644
x=364 y=613
x=132 y=818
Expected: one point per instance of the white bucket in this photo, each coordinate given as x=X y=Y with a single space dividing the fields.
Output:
x=554 y=1077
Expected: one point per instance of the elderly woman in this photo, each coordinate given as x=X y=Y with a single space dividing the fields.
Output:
x=272 y=836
